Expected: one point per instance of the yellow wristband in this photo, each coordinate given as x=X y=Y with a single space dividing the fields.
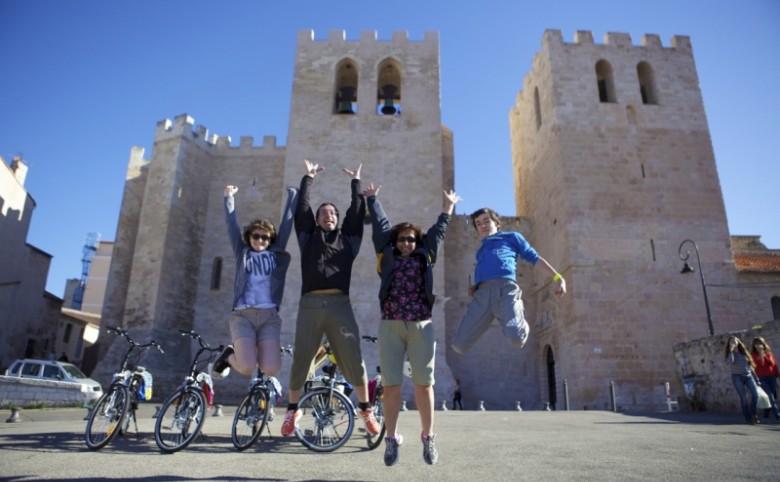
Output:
x=557 y=277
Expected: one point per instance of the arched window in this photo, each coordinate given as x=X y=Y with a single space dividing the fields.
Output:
x=646 y=83
x=606 y=84
x=389 y=88
x=216 y=273
x=537 y=108
x=776 y=307
x=346 y=88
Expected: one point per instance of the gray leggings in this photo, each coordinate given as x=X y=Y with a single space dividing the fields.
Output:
x=332 y=316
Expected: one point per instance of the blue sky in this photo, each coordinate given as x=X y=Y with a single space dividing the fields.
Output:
x=84 y=81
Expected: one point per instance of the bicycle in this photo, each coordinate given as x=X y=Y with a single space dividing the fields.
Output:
x=328 y=415
x=114 y=410
x=252 y=413
x=183 y=412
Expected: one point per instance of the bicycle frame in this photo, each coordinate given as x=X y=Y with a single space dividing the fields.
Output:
x=182 y=415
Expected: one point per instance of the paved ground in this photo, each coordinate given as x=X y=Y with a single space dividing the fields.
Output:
x=474 y=446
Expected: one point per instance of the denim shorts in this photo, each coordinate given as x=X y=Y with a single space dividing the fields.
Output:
x=259 y=324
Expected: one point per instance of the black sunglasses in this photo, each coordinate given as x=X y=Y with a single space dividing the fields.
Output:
x=264 y=237
x=407 y=239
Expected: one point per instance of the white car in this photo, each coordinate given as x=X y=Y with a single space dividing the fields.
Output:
x=57 y=371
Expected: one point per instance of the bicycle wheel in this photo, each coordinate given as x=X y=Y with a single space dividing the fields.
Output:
x=375 y=441
x=251 y=417
x=180 y=420
x=327 y=422
x=106 y=417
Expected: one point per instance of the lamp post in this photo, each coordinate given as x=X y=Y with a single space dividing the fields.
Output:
x=687 y=269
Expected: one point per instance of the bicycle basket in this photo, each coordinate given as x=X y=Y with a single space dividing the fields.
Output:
x=207 y=386
x=145 y=386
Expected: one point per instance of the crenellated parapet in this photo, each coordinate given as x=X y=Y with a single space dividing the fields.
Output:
x=340 y=36
x=615 y=39
x=184 y=126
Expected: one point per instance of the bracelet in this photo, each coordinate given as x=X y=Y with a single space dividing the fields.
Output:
x=557 y=277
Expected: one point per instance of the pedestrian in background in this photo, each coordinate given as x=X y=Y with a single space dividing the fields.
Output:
x=742 y=367
x=767 y=372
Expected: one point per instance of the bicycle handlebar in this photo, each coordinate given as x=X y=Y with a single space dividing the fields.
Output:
x=123 y=333
x=195 y=336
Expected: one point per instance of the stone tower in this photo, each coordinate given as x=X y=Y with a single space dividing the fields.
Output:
x=614 y=166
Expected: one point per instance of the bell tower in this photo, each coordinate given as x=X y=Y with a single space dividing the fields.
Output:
x=375 y=103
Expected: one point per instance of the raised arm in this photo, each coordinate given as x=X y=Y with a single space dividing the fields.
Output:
x=233 y=229
x=304 y=216
x=352 y=225
x=380 y=224
x=286 y=222
x=434 y=237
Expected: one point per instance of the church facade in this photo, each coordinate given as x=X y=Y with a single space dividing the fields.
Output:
x=613 y=167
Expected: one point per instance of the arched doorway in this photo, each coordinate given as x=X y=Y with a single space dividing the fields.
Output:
x=552 y=395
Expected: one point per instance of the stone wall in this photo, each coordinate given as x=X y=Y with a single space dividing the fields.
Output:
x=25 y=392
x=705 y=376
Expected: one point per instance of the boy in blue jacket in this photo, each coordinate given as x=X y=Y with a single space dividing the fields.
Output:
x=495 y=294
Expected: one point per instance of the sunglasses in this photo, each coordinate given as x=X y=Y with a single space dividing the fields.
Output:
x=407 y=239
x=264 y=237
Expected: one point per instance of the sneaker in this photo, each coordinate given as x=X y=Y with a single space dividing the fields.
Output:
x=372 y=426
x=430 y=454
x=524 y=331
x=391 y=451
x=290 y=422
x=221 y=367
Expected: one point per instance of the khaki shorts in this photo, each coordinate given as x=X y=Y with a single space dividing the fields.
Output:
x=399 y=339
x=259 y=324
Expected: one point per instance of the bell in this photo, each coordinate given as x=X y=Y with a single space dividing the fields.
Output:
x=388 y=108
x=388 y=93
x=345 y=98
x=345 y=108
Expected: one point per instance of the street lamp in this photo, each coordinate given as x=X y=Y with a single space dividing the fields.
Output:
x=687 y=269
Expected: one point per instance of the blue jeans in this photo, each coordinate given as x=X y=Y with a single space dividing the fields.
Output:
x=740 y=382
x=769 y=384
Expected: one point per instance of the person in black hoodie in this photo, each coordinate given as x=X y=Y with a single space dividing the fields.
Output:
x=327 y=255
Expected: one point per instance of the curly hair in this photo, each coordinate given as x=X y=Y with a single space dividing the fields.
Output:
x=256 y=225
x=493 y=215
